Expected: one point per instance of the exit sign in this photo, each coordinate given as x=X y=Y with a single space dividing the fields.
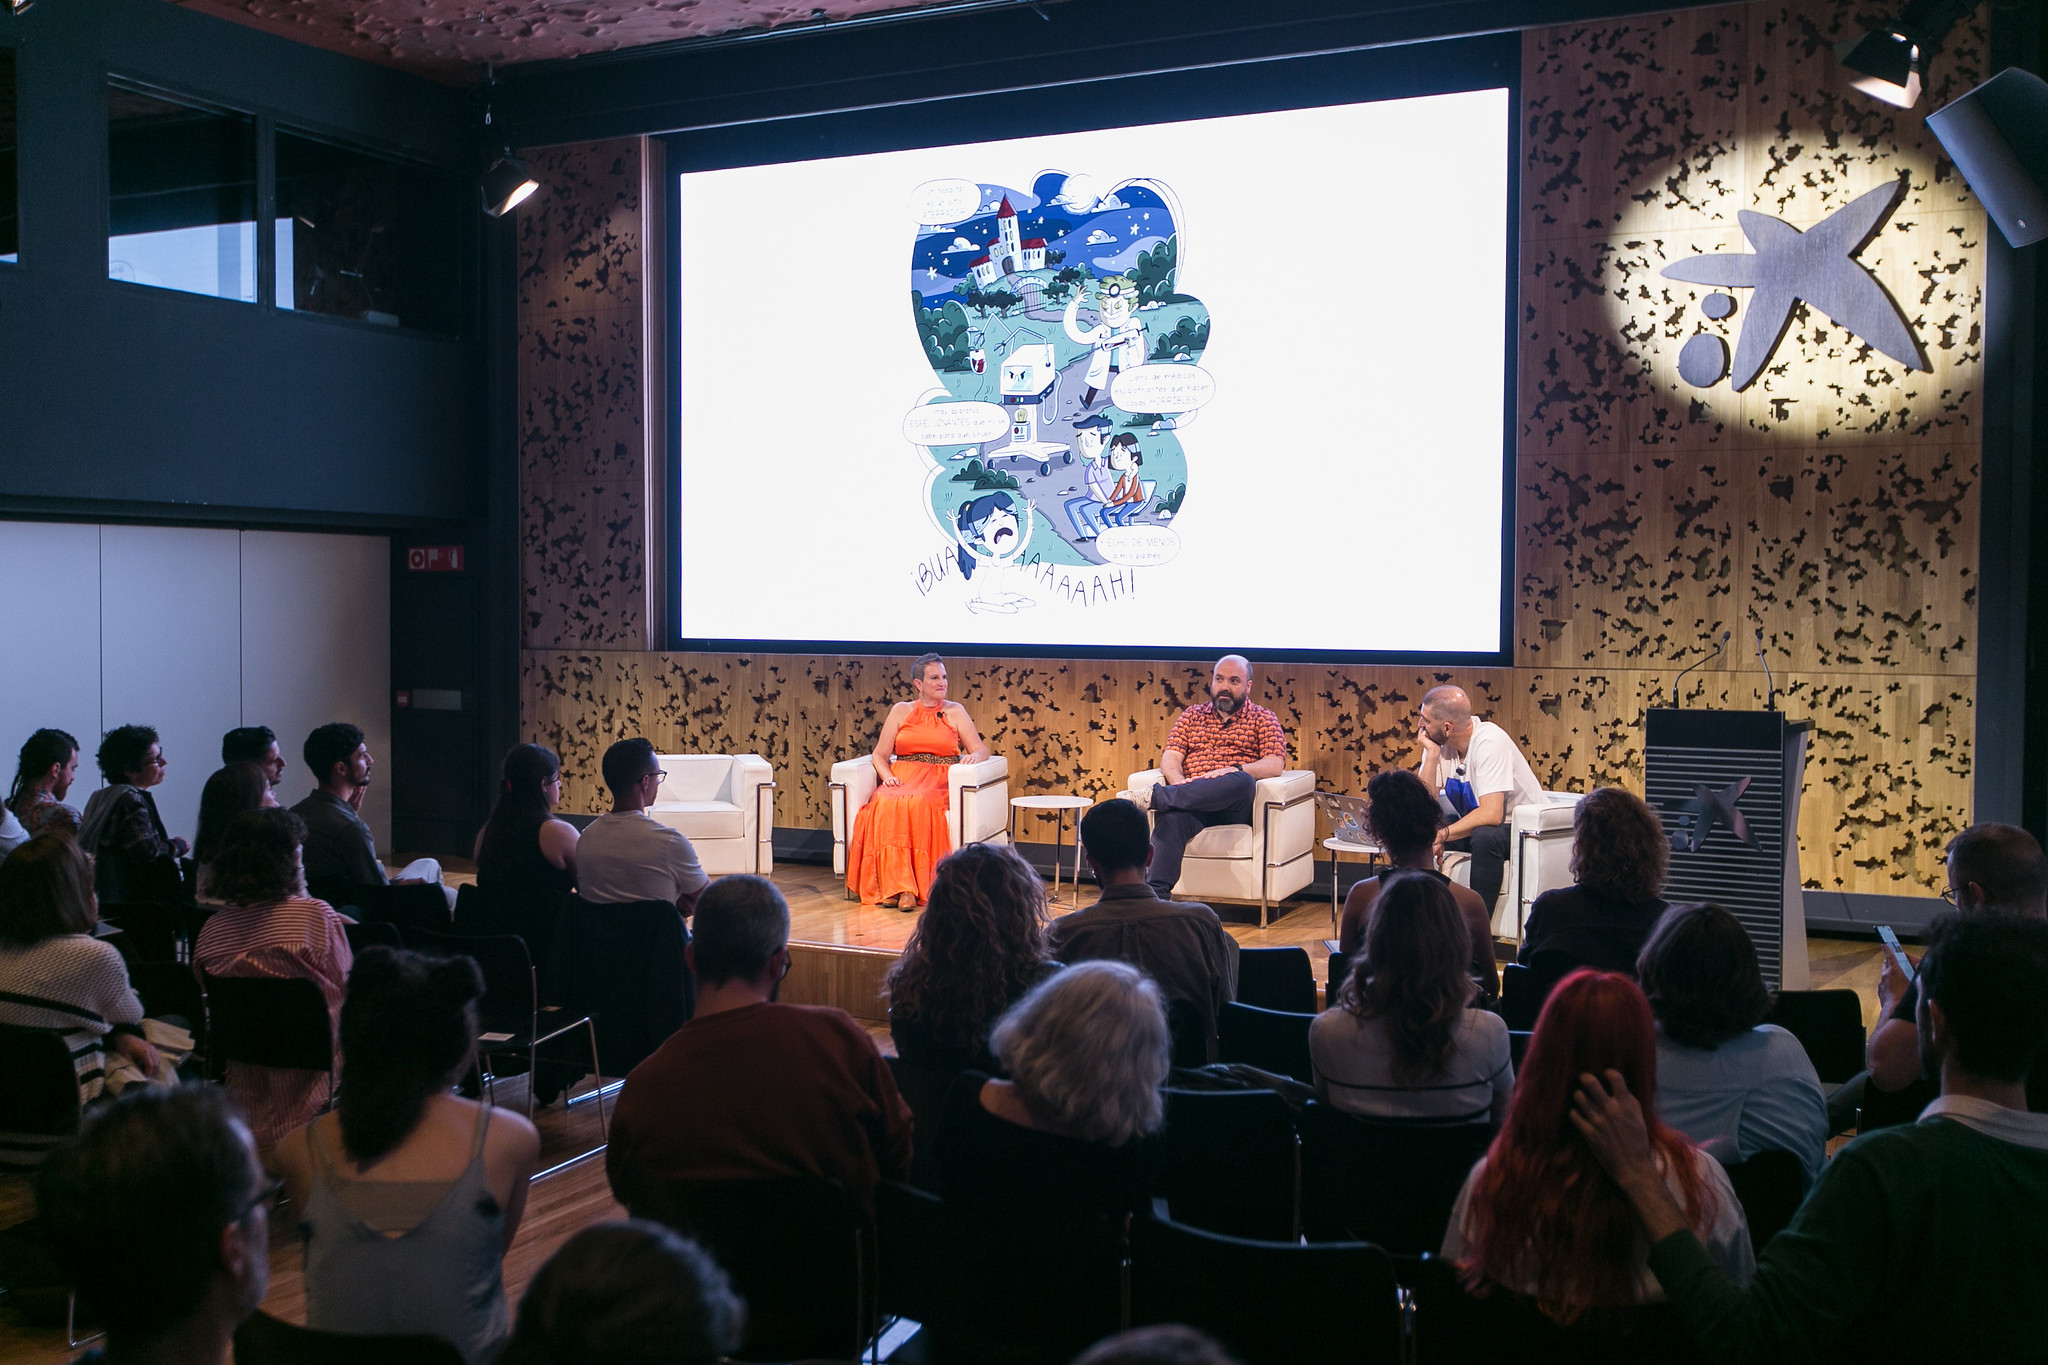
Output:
x=434 y=559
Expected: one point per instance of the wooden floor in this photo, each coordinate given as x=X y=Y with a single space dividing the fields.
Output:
x=841 y=951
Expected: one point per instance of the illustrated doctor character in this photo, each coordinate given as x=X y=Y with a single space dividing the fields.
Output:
x=1117 y=341
x=1091 y=433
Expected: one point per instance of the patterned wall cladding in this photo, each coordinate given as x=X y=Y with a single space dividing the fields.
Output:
x=1833 y=503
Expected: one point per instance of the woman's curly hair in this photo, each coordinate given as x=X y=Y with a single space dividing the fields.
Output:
x=1619 y=847
x=978 y=946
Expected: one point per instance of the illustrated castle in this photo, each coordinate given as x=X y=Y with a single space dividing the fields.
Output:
x=1007 y=254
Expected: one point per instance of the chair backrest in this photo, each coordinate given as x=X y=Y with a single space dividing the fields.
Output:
x=1268 y=1303
x=1189 y=1031
x=1276 y=979
x=510 y=998
x=372 y=933
x=622 y=965
x=800 y=1252
x=1271 y=1040
x=153 y=930
x=1333 y=980
x=695 y=777
x=910 y=1233
x=1829 y=1025
x=1518 y=1046
x=38 y=1083
x=268 y=1021
x=1454 y=1327
x=264 y=1340
x=1522 y=993
x=170 y=991
x=1230 y=1161
x=1771 y=1186
x=1388 y=1183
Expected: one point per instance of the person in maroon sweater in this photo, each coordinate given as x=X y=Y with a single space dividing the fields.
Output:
x=751 y=1089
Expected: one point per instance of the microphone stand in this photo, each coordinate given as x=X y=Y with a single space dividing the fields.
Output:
x=1718 y=647
x=1770 y=684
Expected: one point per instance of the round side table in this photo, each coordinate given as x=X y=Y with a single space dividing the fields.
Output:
x=1059 y=806
x=1372 y=853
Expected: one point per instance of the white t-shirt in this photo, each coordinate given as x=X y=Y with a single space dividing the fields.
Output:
x=630 y=856
x=1492 y=762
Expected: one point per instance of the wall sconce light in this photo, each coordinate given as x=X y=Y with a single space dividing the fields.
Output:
x=506 y=185
x=1890 y=63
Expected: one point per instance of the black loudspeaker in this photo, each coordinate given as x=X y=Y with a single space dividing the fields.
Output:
x=1998 y=136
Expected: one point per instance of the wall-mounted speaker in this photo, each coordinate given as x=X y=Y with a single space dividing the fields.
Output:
x=1998 y=136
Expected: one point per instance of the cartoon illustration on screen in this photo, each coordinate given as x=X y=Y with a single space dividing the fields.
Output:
x=1067 y=369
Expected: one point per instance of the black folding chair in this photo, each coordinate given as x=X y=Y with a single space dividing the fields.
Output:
x=1267 y=1039
x=154 y=933
x=1522 y=993
x=1276 y=979
x=1333 y=981
x=910 y=1236
x=1268 y=1303
x=372 y=933
x=408 y=907
x=268 y=1021
x=1450 y=1326
x=1829 y=1025
x=39 y=1112
x=264 y=1340
x=801 y=1252
x=1518 y=1047
x=1771 y=1186
x=1230 y=1162
x=1389 y=1183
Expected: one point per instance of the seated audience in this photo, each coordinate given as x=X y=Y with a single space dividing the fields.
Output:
x=1927 y=1237
x=409 y=1195
x=1403 y=1041
x=1181 y=945
x=1404 y=816
x=1619 y=853
x=254 y=744
x=160 y=1214
x=1988 y=866
x=341 y=852
x=978 y=947
x=628 y=855
x=42 y=779
x=12 y=835
x=1725 y=1078
x=629 y=1293
x=1171 y=1344
x=751 y=1089
x=1536 y=1217
x=134 y=857
x=55 y=975
x=266 y=925
x=523 y=848
x=229 y=792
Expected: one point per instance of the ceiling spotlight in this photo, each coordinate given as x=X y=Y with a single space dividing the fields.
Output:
x=506 y=185
x=20 y=6
x=1889 y=62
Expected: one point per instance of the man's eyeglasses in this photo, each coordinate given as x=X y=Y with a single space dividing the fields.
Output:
x=1948 y=893
x=266 y=1198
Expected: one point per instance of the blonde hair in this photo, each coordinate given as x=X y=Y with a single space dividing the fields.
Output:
x=1088 y=1051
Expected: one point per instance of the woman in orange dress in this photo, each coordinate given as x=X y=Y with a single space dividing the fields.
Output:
x=900 y=834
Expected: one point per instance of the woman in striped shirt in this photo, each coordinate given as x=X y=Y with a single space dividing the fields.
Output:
x=268 y=926
x=55 y=975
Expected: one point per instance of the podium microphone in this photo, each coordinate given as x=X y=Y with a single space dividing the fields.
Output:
x=1770 y=684
x=1718 y=647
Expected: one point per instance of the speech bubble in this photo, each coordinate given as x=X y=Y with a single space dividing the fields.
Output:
x=1163 y=388
x=955 y=424
x=944 y=201
x=1137 y=545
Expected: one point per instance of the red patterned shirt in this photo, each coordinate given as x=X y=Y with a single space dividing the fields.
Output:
x=1209 y=744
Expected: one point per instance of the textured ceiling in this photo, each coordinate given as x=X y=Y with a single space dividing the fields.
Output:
x=453 y=39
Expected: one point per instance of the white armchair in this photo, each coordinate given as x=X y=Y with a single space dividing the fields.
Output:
x=1266 y=861
x=977 y=802
x=724 y=804
x=1539 y=859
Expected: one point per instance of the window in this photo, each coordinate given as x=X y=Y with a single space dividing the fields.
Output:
x=364 y=236
x=181 y=196
x=10 y=214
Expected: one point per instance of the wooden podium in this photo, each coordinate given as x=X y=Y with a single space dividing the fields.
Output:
x=1726 y=784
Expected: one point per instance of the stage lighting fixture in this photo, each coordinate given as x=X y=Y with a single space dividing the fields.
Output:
x=506 y=185
x=1998 y=137
x=20 y=6
x=1890 y=63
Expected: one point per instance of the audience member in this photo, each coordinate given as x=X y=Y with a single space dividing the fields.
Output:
x=1481 y=776
x=55 y=975
x=12 y=835
x=1214 y=757
x=1404 y=817
x=1169 y=1344
x=1181 y=945
x=1928 y=1237
x=1987 y=866
x=1403 y=1042
x=1619 y=853
x=408 y=1196
x=160 y=1214
x=978 y=947
x=752 y=1089
x=1725 y=1078
x=523 y=848
x=268 y=926
x=230 y=791
x=254 y=744
x=628 y=855
x=1536 y=1215
x=42 y=779
x=629 y=1293
x=134 y=857
x=341 y=852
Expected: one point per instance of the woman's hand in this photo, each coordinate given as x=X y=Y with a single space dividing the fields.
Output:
x=889 y=778
x=137 y=1049
x=1612 y=1122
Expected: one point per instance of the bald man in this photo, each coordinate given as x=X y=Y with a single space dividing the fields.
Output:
x=1215 y=756
x=1480 y=776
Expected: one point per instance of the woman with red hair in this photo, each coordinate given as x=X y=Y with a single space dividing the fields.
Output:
x=1539 y=1215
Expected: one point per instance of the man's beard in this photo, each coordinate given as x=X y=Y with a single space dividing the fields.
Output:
x=1225 y=703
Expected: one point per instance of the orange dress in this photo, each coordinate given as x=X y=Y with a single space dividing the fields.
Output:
x=900 y=834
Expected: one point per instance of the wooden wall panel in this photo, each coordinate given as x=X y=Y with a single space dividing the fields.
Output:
x=1833 y=504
